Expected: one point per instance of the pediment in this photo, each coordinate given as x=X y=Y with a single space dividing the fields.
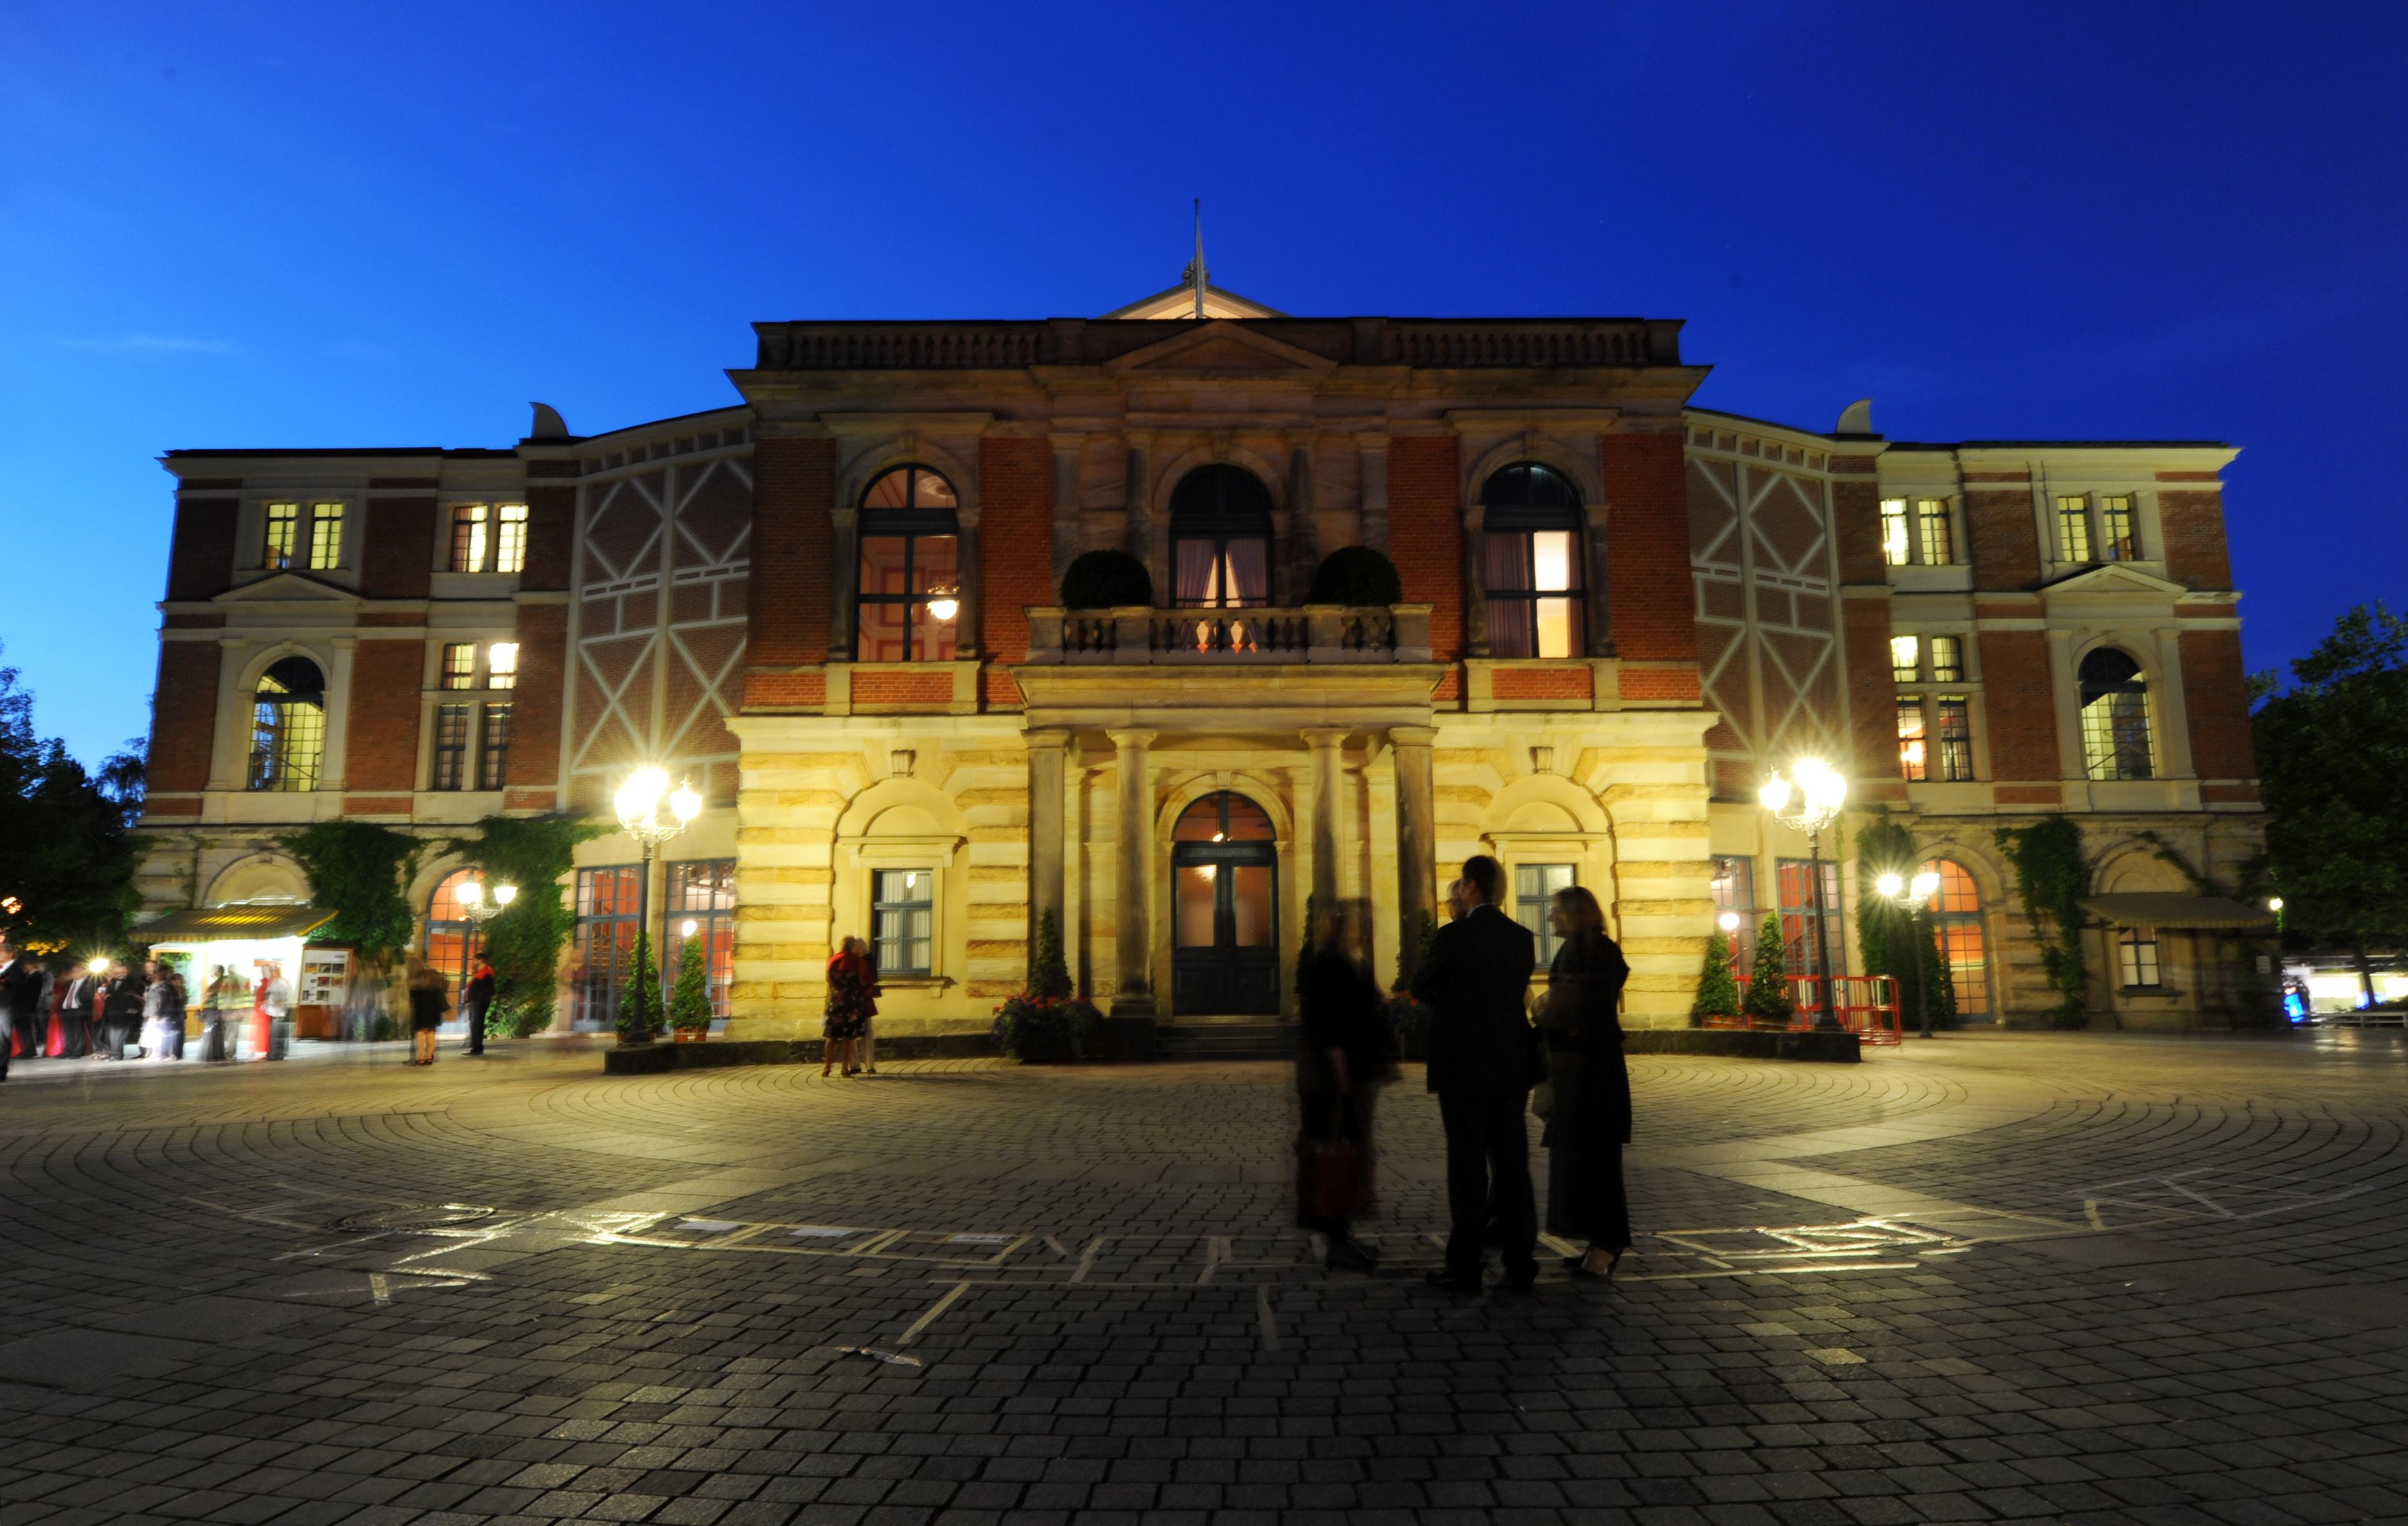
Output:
x=288 y=588
x=2113 y=579
x=1223 y=346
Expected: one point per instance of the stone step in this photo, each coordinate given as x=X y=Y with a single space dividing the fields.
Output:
x=1224 y=1039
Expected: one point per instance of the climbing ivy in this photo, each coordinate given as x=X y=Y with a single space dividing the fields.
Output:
x=1889 y=935
x=523 y=944
x=2052 y=874
x=356 y=871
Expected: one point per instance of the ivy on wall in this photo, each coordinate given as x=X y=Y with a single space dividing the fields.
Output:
x=1889 y=935
x=2051 y=876
x=523 y=944
x=356 y=871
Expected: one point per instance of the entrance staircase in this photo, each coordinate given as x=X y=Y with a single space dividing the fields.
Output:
x=1204 y=1039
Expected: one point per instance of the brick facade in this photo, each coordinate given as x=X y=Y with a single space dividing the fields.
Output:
x=1647 y=548
x=552 y=535
x=201 y=563
x=2001 y=542
x=1425 y=532
x=2192 y=524
x=534 y=707
x=383 y=721
x=1871 y=697
x=2215 y=691
x=184 y=718
x=399 y=559
x=2021 y=702
x=793 y=498
x=1015 y=540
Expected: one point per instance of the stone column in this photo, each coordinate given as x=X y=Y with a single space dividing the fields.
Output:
x=1327 y=761
x=1046 y=832
x=1416 y=830
x=969 y=571
x=1475 y=579
x=1133 y=930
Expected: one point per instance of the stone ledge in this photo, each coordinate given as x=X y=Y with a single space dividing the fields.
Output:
x=1741 y=1044
x=658 y=1059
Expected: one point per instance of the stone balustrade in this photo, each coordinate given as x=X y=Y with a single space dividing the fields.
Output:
x=1313 y=633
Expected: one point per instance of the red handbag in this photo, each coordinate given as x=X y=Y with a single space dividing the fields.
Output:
x=1333 y=1174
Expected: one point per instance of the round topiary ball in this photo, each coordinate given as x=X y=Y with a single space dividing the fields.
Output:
x=1106 y=580
x=1356 y=575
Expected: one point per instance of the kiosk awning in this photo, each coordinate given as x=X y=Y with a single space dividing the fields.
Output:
x=226 y=924
x=2173 y=909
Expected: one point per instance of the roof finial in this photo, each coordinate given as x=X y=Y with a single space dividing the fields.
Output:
x=1195 y=275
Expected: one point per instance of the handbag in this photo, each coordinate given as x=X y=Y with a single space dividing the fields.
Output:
x=1333 y=1177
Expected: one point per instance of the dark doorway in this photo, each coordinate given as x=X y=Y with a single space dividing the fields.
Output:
x=1224 y=909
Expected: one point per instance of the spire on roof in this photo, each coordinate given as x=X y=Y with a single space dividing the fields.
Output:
x=1196 y=275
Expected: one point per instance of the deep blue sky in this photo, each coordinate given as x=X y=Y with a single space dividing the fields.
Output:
x=309 y=224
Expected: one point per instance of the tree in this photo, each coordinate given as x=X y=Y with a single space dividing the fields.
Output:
x=356 y=871
x=66 y=861
x=690 y=999
x=1891 y=937
x=639 y=1000
x=1717 y=987
x=1049 y=971
x=2331 y=752
x=1769 y=1002
x=2053 y=876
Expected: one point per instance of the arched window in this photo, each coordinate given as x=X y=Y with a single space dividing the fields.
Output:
x=909 y=590
x=288 y=726
x=2114 y=717
x=450 y=937
x=1956 y=915
x=1531 y=564
x=1220 y=539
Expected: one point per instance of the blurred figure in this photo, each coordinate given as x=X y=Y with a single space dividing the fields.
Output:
x=274 y=1031
x=1344 y=1061
x=363 y=1005
x=1589 y=1120
x=851 y=1001
x=71 y=1026
x=32 y=1039
x=1456 y=907
x=1476 y=980
x=21 y=992
x=429 y=999
x=475 y=998
x=163 y=1011
x=222 y=999
x=121 y=1010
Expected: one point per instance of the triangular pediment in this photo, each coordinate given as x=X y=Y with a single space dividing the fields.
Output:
x=2111 y=579
x=1180 y=302
x=288 y=588
x=1221 y=345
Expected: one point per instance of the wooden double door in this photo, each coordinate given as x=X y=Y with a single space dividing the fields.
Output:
x=1224 y=955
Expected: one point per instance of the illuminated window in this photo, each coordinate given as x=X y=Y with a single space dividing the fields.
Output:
x=1939 y=540
x=1531 y=564
x=1534 y=896
x=2073 y=529
x=510 y=536
x=1956 y=916
x=903 y=921
x=1732 y=884
x=1947 y=659
x=703 y=892
x=1795 y=884
x=1893 y=531
x=470 y=537
x=288 y=727
x=1905 y=658
x=451 y=770
x=451 y=938
x=2114 y=717
x=494 y=749
x=2136 y=958
x=1954 y=718
x=907 y=599
x=325 y=537
x=1220 y=539
x=459 y=669
x=1913 y=760
x=606 y=899
x=283 y=534
x=2115 y=542
x=502 y=665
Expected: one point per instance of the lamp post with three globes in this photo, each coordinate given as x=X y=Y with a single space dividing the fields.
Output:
x=1809 y=800
x=638 y=804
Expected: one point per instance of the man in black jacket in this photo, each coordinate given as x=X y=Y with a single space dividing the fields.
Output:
x=1477 y=978
x=74 y=1013
x=20 y=994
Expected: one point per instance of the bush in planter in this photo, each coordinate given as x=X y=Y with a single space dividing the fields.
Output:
x=1046 y=1030
x=1717 y=987
x=1356 y=575
x=1768 y=1003
x=639 y=1000
x=690 y=998
x=1107 y=580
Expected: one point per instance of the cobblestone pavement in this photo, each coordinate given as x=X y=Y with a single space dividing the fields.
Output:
x=2007 y=1277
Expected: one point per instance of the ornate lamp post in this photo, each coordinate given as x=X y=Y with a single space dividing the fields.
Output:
x=1809 y=800
x=480 y=908
x=1910 y=895
x=638 y=804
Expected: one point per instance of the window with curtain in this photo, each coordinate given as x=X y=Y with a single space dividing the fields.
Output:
x=1947 y=659
x=1952 y=726
x=908 y=605
x=1534 y=897
x=2136 y=958
x=1531 y=564
x=2114 y=717
x=1914 y=757
x=1220 y=539
x=1956 y=918
x=903 y=915
x=288 y=727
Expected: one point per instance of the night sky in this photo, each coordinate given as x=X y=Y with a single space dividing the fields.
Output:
x=314 y=225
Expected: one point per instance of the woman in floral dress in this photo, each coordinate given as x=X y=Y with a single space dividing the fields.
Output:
x=853 y=985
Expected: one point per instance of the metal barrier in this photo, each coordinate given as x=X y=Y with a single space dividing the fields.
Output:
x=1865 y=1006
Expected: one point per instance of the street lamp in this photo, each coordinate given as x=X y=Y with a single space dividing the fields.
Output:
x=1910 y=895
x=480 y=908
x=1809 y=800
x=638 y=804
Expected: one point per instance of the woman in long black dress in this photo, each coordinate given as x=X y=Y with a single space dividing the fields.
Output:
x=1589 y=1122
x=1344 y=1059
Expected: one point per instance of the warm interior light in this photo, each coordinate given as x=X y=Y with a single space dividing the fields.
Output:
x=502 y=657
x=944 y=606
x=1728 y=921
x=470 y=892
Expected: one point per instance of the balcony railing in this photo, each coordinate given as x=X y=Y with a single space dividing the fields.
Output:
x=1319 y=633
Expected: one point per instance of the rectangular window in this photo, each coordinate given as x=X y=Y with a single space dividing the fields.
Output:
x=1534 y=896
x=459 y=665
x=450 y=748
x=283 y=534
x=1799 y=913
x=468 y=537
x=1893 y=531
x=910 y=598
x=510 y=536
x=1534 y=587
x=903 y=918
x=325 y=537
x=1732 y=883
x=1956 y=737
x=502 y=666
x=1913 y=760
x=1947 y=659
x=494 y=754
x=606 y=943
x=2073 y=529
x=1938 y=539
x=2136 y=957
x=703 y=893
x=2116 y=543
x=1905 y=658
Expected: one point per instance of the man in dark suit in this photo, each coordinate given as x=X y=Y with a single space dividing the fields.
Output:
x=21 y=996
x=76 y=994
x=1476 y=979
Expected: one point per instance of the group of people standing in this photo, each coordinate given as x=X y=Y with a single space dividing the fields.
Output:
x=430 y=998
x=846 y=1038
x=1486 y=1058
x=100 y=1009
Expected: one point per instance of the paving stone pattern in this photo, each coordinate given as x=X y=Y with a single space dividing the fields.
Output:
x=2000 y=1277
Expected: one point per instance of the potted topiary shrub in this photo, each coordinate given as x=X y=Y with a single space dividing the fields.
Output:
x=1717 y=1002
x=690 y=998
x=1046 y=1023
x=1356 y=575
x=1107 y=580
x=1768 y=1003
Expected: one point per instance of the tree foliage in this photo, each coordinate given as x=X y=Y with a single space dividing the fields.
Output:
x=1106 y=580
x=356 y=871
x=66 y=861
x=690 y=998
x=1768 y=1001
x=1359 y=575
x=1890 y=935
x=523 y=944
x=1717 y=987
x=640 y=1018
x=1049 y=971
x=2051 y=876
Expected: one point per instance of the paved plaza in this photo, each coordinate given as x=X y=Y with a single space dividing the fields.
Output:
x=2089 y=1278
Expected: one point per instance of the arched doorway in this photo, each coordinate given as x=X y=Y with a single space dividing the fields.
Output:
x=1956 y=914
x=1224 y=908
x=452 y=941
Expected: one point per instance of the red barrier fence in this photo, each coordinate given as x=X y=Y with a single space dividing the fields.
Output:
x=1865 y=1006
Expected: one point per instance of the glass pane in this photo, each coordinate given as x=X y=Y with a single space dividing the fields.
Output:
x=1250 y=890
x=510 y=551
x=1913 y=760
x=1734 y=885
x=1938 y=542
x=326 y=536
x=935 y=563
x=1512 y=627
x=1893 y=531
x=1947 y=659
x=882 y=633
x=883 y=560
x=1554 y=560
x=1192 y=889
x=1248 y=822
x=1968 y=970
x=892 y=491
x=1247 y=573
x=1905 y=659
x=931 y=491
x=1557 y=622
x=1196 y=572
x=937 y=639
x=1199 y=823
x=1506 y=563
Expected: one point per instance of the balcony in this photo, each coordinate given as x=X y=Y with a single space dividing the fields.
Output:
x=1310 y=633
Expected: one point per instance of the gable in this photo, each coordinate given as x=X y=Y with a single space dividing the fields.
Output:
x=1223 y=346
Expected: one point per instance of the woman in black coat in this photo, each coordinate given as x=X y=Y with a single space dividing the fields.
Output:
x=1589 y=1121
x=1344 y=1059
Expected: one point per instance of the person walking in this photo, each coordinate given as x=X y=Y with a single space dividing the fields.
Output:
x=1589 y=1116
x=121 y=1010
x=71 y=1013
x=851 y=1001
x=1476 y=980
x=220 y=999
x=475 y=998
x=428 y=1001
x=275 y=1036
x=1344 y=1060
x=21 y=993
x=163 y=1011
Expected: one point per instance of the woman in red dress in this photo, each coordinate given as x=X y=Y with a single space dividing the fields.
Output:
x=851 y=1001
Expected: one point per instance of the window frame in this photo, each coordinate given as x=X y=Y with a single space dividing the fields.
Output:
x=1244 y=515
x=478 y=761
x=2072 y=522
x=269 y=765
x=594 y=998
x=1797 y=949
x=497 y=544
x=277 y=552
x=1913 y=745
x=1914 y=528
x=912 y=521
x=324 y=516
x=880 y=904
x=1943 y=922
x=455 y=730
x=2136 y=955
x=1952 y=745
x=714 y=923
x=1513 y=510
x=2107 y=729
x=1531 y=907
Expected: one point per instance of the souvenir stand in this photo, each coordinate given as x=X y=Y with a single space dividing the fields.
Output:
x=246 y=939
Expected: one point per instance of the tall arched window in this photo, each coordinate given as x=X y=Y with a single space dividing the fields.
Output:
x=451 y=938
x=2114 y=717
x=1956 y=915
x=909 y=596
x=288 y=726
x=1220 y=539
x=1531 y=564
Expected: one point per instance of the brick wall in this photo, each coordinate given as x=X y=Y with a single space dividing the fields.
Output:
x=382 y=752
x=1426 y=533
x=1015 y=541
x=2215 y=692
x=1657 y=683
x=1539 y=683
x=399 y=560
x=2020 y=705
x=552 y=535
x=1648 y=584
x=535 y=706
x=874 y=689
x=2193 y=526
x=1856 y=521
x=1872 y=692
x=794 y=494
x=201 y=563
x=184 y=717
x=2001 y=542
